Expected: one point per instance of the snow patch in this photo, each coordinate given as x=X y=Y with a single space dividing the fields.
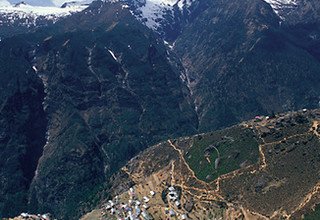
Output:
x=112 y=54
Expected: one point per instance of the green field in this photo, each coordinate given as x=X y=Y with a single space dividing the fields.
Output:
x=237 y=146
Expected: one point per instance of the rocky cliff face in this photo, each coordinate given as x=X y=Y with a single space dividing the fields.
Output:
x=23 y=127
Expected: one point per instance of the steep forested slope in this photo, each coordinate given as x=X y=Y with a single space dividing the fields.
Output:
x=110 y=92
x=240 y=61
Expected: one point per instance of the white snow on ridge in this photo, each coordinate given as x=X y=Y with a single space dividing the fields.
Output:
x=27 y=15
x=59 y=3
x=164 y=2
x=113 y=56
x=279 y=5
x=151 y=13
x=39 y=10
x=154 y=10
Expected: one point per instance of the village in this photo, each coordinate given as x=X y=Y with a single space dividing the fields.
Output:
x=27 y=216
x=135 y=207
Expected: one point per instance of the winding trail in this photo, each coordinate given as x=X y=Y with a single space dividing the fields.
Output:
x=185 y=162
x=263 y=163
x=209 y=192
x=252 y=169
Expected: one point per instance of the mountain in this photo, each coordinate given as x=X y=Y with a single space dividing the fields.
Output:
x=248 y=171
x=240 y=61
x=105 y=97
x=166 y=17
x=83 y=93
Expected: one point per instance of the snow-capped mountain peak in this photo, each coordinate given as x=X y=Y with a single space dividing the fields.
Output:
x=24 y=14
x=152 y=12
x=24 y=8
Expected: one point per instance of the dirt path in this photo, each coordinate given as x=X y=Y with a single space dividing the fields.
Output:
x=183 y=160
x=315 y=126
x=211 y=194
x=263 y=163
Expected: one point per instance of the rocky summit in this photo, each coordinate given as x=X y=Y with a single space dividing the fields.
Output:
x=88 y=85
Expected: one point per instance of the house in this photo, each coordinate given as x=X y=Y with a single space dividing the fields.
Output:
x=171 y=189
x=128 y=209
x=138 y=211
x=172 y=213
x=24 y=215
x=131 y=192
x=146 y=199
x=152 y=193
x=146 y=216
x=111 y=203
x=184 y=217
x=46 y=216
x=173 y=196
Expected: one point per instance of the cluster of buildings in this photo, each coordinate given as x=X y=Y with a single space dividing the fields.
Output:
x=174 y=200
x=133 y=210
x=35 y=217
x=137 y=209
